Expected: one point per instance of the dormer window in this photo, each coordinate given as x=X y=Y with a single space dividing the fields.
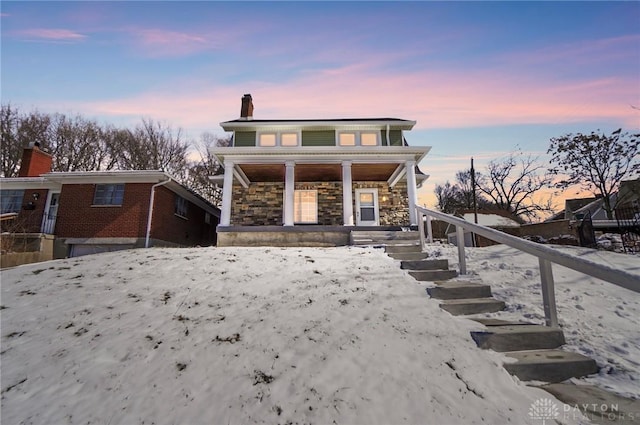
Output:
x=287 y=139
x=358 y=138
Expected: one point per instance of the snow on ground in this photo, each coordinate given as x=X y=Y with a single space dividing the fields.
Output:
x=250 y=335
x=599 y=319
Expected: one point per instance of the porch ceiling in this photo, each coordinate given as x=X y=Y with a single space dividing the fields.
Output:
x=318 y=172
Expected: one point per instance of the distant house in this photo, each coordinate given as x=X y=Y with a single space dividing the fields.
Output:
x=312 y=181
x=90 y=212
x=495 y=219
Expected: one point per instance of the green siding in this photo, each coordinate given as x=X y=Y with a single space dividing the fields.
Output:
x=244 y=138
x=319 y=138
x=395 y=137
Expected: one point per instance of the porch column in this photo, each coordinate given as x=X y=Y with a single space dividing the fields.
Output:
x=289 y=186
x=227 y=191
x=347 y=198
x=412 y=191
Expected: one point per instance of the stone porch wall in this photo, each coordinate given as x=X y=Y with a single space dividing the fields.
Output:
x=261 y=203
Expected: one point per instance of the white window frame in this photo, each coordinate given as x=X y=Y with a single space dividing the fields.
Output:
x=296 y=204
x=278 y=137
x=357 y=137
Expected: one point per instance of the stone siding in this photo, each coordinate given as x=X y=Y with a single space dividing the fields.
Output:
x=258 y=205
x=261 y=203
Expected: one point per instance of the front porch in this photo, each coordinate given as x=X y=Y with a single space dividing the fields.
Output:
x=300 y=235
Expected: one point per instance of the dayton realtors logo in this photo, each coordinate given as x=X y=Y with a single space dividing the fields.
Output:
x=544 y=409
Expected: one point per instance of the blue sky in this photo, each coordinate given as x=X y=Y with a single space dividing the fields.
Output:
x=480 y=78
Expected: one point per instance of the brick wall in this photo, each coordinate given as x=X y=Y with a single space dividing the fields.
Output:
x=189 y=230
x=77 y=218
x=261 y=203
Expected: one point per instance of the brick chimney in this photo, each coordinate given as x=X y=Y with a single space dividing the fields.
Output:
x=246 y=112
x=34 y=161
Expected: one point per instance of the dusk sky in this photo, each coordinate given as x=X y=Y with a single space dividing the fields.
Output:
x=480 y=78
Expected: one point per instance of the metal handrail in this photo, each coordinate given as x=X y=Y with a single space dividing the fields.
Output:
x=546 y=255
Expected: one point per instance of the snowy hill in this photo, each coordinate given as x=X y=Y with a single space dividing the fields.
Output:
x=271 y=335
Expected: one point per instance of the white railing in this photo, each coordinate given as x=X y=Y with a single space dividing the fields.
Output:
x=546 y=255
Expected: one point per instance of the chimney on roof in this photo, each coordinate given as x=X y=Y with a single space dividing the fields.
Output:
x=246 y=111
x=34 y=161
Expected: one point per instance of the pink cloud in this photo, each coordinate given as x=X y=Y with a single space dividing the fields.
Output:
x=163 y=43
x=52 y=34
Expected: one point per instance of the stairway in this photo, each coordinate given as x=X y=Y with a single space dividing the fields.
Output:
x=535 y=349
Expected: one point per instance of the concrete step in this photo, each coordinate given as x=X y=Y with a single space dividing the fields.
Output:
x=433 y=275
x=459 y=290
x=381 y=235
x=549 y=365
x=403 y=249
x=384 y=242
x=519 y=338
x=408 y=256
x=488 y=321
x=425 y=265
x=472 y=306
x=597 y=404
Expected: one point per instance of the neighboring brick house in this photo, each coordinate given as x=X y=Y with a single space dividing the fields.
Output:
x=311 y=181
x=96 y=211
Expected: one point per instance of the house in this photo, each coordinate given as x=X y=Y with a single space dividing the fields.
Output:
x=312 y=181
x=496 y=219
x=89 y=212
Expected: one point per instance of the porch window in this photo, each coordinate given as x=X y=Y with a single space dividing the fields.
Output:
x=267 y=139
x=11 y=200
x=109 y=194
x=305 y=206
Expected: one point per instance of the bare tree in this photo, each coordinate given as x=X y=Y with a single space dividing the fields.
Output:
x=206 y=166
x=78 y=144
x=596 y=162
x=151 y=146
x=18 y=130
x=512 y=183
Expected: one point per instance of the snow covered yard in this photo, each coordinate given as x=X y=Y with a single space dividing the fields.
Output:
x=251 y=335
x=599 y=319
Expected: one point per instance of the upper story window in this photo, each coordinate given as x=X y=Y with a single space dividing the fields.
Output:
x=267 y=139
x=11 y=200
x=181 y=206
x=358 y=138
x=286 y=139
x=109 y=194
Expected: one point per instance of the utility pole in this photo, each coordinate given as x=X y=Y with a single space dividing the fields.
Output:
x=475 y=205
x=473 y=188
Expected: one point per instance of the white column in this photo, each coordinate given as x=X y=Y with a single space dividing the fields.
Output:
x=289 y=187
x=227 y=191
x=412 y=191
x=347 y=197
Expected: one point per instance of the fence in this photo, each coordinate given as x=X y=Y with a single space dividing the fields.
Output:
x=546 y=255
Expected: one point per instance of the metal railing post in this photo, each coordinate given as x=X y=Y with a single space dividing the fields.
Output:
x=429 y=229
x=548 y=293
x=421 y=228
x=461 y=258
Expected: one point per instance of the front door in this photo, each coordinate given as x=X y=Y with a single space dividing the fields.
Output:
x=367 y=207
x=50 y=213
